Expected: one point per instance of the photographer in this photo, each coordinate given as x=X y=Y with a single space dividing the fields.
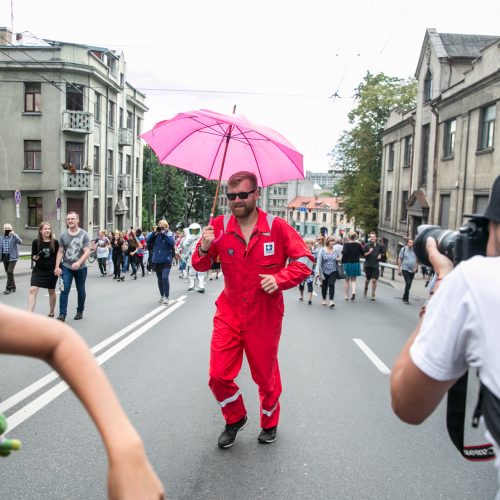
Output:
x=162 y=243
x=457 y=331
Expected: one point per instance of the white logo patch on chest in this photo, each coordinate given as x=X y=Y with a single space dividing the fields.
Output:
x=269 y=248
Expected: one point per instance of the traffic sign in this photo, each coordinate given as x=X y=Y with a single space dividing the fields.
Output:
x=58 y=202
x=17 y=196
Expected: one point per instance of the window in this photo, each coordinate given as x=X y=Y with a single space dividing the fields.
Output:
x=404 y=206
x=324 y=217
x=444 y=211
x=137 y=168
x=450 y=127
x=408 y=150
x=95 y=212
x=35 y=211
x=128 y=165
x=32 y=97
x=127 y=202
x=390 y=156
x=109 y=162
x=428 y=86
x=130 y=120
x=487 y=129
x=388 y=204
x=314 y=216
x=97 y=160
x=480 y=203
x=120 y=163
x=111 y=114
x=136 y=207
x=74 y=97
x=32 y=155
x=139 y=126
x=122 y=118
x=424 y=163
x=109 y=210
x=74 y=154
x=97 y=107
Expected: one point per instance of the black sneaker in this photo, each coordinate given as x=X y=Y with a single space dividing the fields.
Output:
x=62 y=317
x=268 y=436
x=228 y=436
x=78 y=315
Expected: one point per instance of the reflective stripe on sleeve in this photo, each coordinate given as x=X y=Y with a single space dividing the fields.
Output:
x=271 y=411
x=304 y=260
x=230 y=399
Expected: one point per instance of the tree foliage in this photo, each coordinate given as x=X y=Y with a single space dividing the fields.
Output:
x=180 y=195
x=358 y=153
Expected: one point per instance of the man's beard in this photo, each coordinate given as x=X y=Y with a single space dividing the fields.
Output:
x=242 y=211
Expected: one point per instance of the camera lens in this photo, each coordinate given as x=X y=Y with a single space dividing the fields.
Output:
x=445 y=238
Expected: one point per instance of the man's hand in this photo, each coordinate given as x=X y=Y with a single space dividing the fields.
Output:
x=268 y=283
x=58 y=271
x=76 y=265
x=441 y=264
x=207 y=237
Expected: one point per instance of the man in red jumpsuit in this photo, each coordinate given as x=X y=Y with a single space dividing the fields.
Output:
x=254 y=250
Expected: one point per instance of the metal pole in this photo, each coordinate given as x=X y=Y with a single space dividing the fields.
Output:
x=150 y=187
x=185 y=202
x=154 y=210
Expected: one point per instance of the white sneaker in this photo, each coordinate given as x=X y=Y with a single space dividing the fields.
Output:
x=165 y=301
x=161 y=300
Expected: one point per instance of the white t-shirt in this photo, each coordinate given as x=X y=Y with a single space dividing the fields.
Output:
x=461 y=328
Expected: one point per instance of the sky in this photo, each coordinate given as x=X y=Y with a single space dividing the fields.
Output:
x=280 y=62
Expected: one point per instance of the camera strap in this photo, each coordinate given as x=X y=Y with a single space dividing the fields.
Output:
x=455 y=422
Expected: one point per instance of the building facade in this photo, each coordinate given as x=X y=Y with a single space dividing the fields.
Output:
x=440 y=161
x=68 y=137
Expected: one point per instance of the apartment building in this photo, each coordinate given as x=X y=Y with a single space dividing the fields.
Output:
x=68 y=136
x=440 y=160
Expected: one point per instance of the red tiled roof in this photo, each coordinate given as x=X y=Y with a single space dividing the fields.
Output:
x=314 y=203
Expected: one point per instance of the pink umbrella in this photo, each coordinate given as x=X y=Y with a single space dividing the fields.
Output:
x=215 y=146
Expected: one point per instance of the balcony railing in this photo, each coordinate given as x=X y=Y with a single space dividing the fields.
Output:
x=77 y=121
x=125 y=137
x=79 y=181
x=124 y=182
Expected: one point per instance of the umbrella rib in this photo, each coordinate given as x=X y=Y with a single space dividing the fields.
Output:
x=254 y=155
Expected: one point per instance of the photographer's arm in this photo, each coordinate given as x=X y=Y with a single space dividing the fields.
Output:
x=414 y=394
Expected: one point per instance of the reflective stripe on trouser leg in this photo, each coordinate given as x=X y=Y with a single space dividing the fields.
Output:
x=226 y=356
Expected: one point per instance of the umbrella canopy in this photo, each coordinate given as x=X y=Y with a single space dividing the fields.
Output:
x=215 y=146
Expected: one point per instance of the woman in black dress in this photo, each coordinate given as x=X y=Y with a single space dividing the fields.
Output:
x=43 y=253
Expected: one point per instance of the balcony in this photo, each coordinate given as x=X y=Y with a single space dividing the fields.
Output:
x=79 y=181
x=125 y=137
x=77 y=121
x=124 y=182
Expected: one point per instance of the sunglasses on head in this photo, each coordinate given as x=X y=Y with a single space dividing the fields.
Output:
x=242 y=196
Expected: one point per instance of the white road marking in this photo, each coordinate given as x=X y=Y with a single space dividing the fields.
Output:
x=43 y=400
x=372 y=357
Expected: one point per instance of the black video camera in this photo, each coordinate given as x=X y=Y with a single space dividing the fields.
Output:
x=469 y=240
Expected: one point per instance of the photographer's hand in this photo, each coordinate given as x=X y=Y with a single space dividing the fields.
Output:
x=441 y=264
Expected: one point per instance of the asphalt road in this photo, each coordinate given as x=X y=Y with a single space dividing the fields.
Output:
x=337 y=437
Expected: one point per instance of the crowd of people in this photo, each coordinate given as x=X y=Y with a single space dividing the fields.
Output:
x=348 y=258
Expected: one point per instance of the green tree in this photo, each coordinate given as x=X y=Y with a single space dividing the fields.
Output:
x=358 y=153
x=180 y=195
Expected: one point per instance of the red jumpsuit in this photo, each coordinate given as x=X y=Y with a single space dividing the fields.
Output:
x=247 y=318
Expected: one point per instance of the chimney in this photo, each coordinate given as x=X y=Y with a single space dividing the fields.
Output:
x=5 y=36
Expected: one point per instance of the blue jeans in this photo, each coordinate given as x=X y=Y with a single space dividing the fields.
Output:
x=125 y=264
x=80 y=276
x=163 y=282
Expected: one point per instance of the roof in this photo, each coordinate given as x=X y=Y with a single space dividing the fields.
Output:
x=465 y=46
x=314 y=203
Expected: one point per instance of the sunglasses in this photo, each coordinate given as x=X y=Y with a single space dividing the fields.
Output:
x=242 y=196
x=194 y=231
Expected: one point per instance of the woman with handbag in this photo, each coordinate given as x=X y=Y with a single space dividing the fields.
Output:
x=326 y=270
x=43 y=253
